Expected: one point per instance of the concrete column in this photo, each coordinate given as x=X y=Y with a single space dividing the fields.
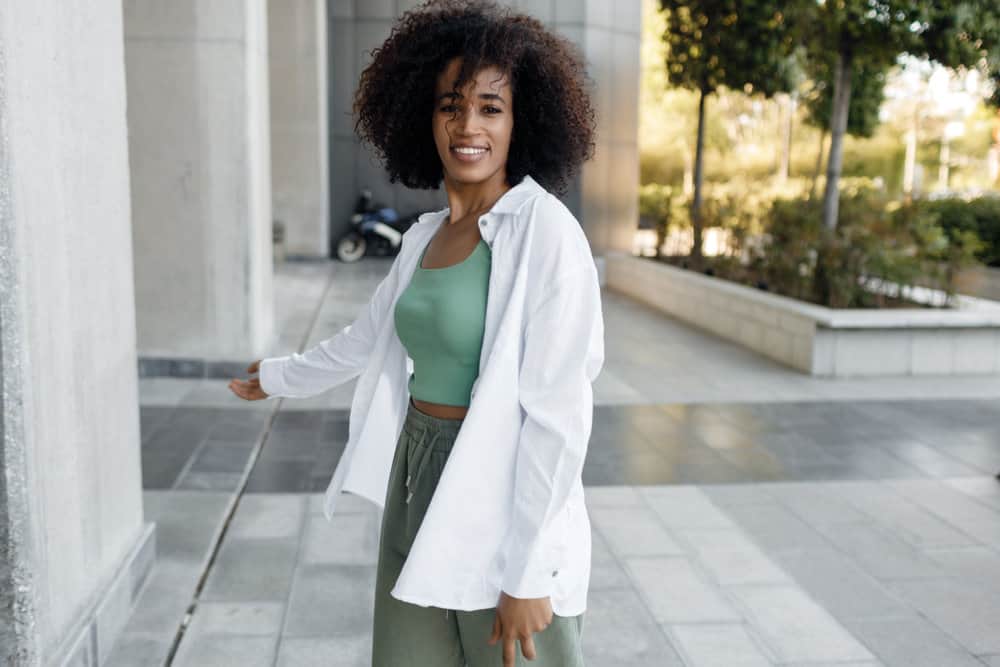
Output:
x=605 y=195
x=73 y=545
x=199 y=146
x=300 y=178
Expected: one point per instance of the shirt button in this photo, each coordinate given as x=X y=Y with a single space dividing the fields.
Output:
x=554 y=572
x=482 y=222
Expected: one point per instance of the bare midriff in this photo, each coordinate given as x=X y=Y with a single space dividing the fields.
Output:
x=440 y=409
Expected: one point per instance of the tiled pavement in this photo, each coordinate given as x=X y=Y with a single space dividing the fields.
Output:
x=742 y=514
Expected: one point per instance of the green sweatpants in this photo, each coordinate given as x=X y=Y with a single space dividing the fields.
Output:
x=407 y=635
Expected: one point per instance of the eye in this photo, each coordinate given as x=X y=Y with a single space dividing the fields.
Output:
x=492 y=109
x=448 y=108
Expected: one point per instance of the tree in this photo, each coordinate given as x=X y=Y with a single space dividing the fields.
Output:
x=866 y=98
x=745 y=45
x=872 y=34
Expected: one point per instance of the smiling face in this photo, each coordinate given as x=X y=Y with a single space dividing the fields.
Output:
x=472 y=130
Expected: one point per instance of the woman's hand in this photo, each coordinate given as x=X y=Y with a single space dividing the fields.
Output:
x=248 y=390
x=518 y=618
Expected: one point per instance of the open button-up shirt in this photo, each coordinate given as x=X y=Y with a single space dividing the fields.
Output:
x=508 y=513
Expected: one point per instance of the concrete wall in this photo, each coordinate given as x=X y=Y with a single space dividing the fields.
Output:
x=300 y=175
x=199 y=144
x=71 y=499
x=605 y=195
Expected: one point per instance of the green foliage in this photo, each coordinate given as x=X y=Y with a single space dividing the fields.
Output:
x=734 y=43
x=971 y=224
x=867 y=93
x=873 y=258
x=873 y=244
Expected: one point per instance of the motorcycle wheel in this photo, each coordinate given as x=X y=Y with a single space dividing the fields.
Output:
x=351 y=247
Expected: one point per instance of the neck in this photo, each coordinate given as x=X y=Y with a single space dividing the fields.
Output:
x=467 y=198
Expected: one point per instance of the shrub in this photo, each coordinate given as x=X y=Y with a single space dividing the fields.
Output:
x=961 y=220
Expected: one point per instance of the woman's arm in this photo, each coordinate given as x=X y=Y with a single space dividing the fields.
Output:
x=563 y=354
x=335 y=360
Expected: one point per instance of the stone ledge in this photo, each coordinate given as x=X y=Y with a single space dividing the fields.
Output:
x=818 y=340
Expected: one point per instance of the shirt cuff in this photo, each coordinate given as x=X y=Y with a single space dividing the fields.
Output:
x=270 y=372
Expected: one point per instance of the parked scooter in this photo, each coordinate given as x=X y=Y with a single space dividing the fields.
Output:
x=376 y=230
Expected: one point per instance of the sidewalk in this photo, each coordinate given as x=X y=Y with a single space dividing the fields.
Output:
x=743 y=514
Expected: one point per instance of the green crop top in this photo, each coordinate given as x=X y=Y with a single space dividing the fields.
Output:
x=440 y=319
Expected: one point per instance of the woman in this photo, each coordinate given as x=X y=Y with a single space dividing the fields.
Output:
x=476 y=455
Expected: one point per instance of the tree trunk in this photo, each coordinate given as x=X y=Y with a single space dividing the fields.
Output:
x=786 y=138
x=699 y=158
x=838 y=127
x=910 y=159
x=819 y=164
x=831 y=194
x=688 y=170
x=945 y=163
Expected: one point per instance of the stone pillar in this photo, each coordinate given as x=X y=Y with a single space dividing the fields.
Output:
x=300 y=178
x=605 y=196
x=199 y=146
x=73 y=545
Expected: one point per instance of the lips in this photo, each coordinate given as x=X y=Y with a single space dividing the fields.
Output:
x=469 y=152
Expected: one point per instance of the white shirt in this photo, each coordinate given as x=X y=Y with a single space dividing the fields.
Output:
x=508 y=512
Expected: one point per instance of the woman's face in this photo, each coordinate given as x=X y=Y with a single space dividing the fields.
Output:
x=472 y=131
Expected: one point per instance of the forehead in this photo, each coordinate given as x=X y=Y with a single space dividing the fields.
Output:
x=489 y=77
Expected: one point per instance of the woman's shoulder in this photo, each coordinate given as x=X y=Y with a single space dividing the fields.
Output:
x=552 y=239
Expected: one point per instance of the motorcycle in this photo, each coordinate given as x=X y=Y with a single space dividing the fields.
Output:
x=376 y=230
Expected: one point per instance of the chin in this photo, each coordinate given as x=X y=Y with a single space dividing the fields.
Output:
x=475 y=174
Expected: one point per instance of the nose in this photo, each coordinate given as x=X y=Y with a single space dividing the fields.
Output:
x=466 y=121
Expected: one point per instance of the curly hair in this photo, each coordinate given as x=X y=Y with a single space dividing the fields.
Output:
x=553 y=126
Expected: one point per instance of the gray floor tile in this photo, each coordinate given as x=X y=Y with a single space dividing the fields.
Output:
x=840 y=585
x=331 y=601
x=318 y=652
x=719 y=645
x=981 y=564
x=251 y=570
x=350 y=539
x=775 y=527
x=619 y=630
x=237 y=618
x=966 y=610
x=880 y=553
x=911 y=642
x=606 y=571
x=268 y=515
x=225 y=651
x=633 y=531
x=139 y=651
x=676 y=593
x=795 y=627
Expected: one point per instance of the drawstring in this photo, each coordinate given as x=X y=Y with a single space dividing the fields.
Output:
x=424 y=457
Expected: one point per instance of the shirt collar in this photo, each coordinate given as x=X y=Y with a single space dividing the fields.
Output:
x=509 y=203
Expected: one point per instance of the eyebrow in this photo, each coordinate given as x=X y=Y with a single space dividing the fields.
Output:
x=485 y=96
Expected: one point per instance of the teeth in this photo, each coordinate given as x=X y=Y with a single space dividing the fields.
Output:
x=469 y=151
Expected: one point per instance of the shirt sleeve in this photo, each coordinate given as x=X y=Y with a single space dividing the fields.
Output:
x=562 y=355
x=335 y=360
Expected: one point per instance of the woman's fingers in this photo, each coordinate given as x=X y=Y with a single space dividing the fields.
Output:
x=247 y=389
x=496 y=630
x=528 y=647
x=509 y=652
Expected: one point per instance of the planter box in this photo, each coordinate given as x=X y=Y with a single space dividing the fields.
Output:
x=817 y=340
